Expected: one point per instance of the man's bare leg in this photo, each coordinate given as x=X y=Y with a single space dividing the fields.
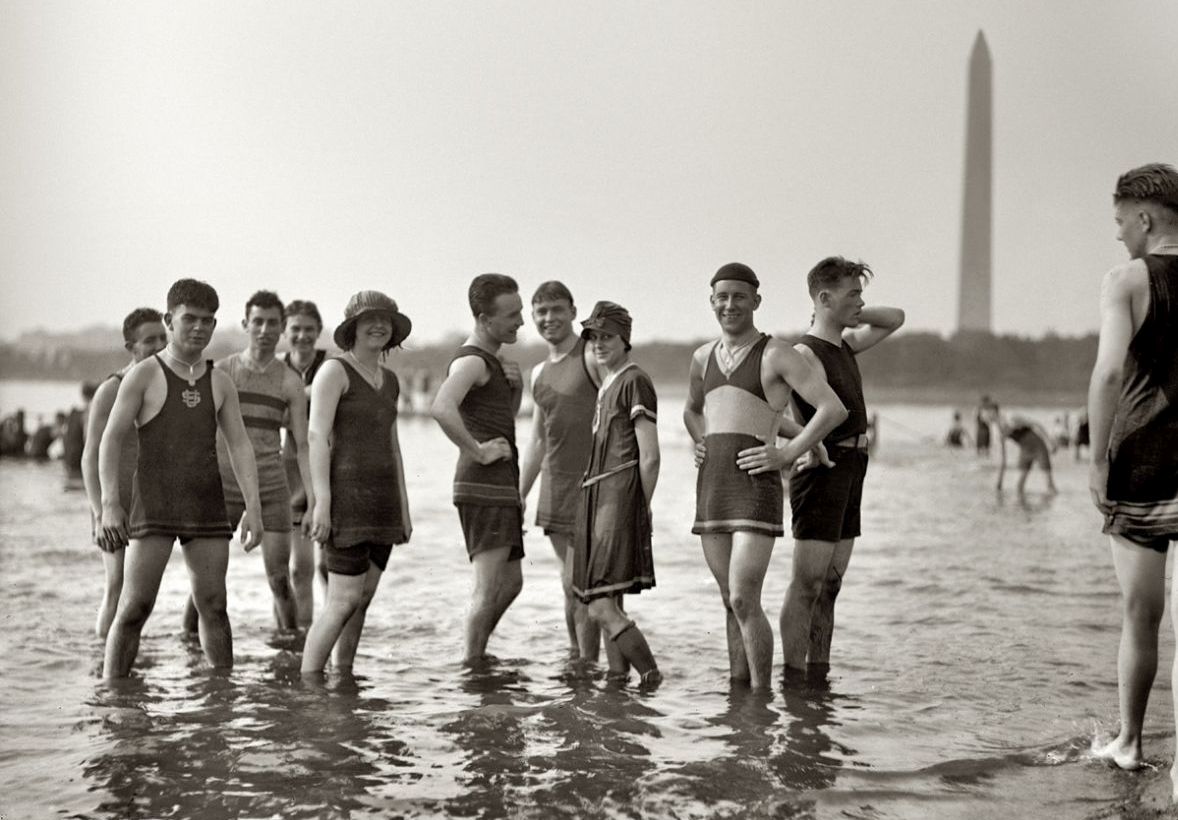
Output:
x=511 y=583
x=486 y=599
x=302 y=576
x=208 y=559
x=112 y=563
x=822 y=616
x=1173 y=690
x=746 y=575
x=144 y=563
x=349 y=637
x=1141 y=573
x=584 y=633
x=811 y=563
x=276 y=559
x=718 y=555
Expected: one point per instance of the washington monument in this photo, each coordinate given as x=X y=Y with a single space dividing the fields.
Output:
x=973 y=305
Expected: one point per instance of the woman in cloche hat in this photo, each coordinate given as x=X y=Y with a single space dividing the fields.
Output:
x=361 y=509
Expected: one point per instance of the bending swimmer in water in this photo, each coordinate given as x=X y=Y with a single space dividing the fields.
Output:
x=1033 y=447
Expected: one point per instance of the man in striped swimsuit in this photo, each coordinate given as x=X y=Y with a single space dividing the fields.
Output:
x=738 y=387
x=177 y=401
x=269 y=391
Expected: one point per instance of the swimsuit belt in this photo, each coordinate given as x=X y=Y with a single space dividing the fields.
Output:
x=858 y=442
x=621 y=468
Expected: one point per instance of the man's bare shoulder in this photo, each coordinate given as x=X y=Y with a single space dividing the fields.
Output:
x=701 y=353
x=144 y=372
x=1126 y=278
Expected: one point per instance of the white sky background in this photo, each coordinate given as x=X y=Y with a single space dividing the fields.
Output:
x=626 y=148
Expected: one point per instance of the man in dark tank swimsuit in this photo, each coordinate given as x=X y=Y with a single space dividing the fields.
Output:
x=1133 y=420
x=475 y=407
x=825 y=501
x=178 y=402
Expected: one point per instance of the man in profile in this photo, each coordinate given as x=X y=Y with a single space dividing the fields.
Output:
x=178 y=402
x=1133 y=424
x=825 y=501
x=475 y=407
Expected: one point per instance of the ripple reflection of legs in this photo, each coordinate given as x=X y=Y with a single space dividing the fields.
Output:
x=1141 y=573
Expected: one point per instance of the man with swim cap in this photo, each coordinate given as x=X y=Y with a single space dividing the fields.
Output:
x=178 y=402
x=738 y=387
x=825 y=501
x=475 y=407
x=1133 y=423
x=564 y=393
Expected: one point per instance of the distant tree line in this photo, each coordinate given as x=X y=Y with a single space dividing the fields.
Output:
x=965 y=362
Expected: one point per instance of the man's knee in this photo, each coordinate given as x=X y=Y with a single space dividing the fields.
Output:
x=302 y=573
x=743 y=603
x=1144 y=610
x=135 y=612
x=831 y=585
x=279 y=581
x=210 y=602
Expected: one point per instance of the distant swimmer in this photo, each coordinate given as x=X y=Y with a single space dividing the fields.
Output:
x=982 y=426
x=303 y=324
x=143 y=336
x=1133 y=416
x=475 y=407
x=178 y=402
x=957 y=437
x=268 y=392
x=1082 y=439
x=738 y=388
x=825 y=501
x=564 y=395
x=1034 y=446
x=359 y=509
x=612 y=553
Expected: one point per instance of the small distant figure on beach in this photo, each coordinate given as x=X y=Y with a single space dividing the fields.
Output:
x=1061 y=432
x=14 y=438
x=982 y=426
x=1034 y=447
x=957 y=437
x=1133 y=413
x=73 y=437
x=1081 y=440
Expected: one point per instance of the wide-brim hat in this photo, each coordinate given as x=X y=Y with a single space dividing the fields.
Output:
x=373 y=301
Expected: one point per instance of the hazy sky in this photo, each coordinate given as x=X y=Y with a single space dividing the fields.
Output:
x=626 y=148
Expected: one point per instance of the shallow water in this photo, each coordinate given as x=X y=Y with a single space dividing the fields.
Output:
x=973 y=662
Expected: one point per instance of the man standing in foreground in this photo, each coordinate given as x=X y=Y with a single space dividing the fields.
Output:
x=564 y=390
x=738 y=387
x=178 y=402
x=475 y=407
x=825 y=500
x=1133 y=420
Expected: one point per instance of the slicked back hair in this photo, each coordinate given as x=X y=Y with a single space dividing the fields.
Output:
x=1156 y=183
x=552 y=291
x=486 y=288
x=302 y=307
x=193 y=293
x=831 y=271
x=137 y=317
x=265 y=299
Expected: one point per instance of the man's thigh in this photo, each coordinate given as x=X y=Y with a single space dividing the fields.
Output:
x=561 y=541
x=751 y=552
x=718 y=555
x=207 y=560
x=842 y=556
x=490 y=565
x=276 y=550
x=143 y=566
x=813 y=559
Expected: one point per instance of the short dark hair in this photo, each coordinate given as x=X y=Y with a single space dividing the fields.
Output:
x=265 y=299
x=552 y=291
x=302 y=307
x=137 y=317
x=486 y=288
x=833 y=270
x=194 y=294
x=1156 y=182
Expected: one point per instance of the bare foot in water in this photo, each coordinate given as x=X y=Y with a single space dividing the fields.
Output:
x=1123 y=754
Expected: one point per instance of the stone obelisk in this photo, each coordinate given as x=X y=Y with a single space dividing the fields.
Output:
x=973 y=305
